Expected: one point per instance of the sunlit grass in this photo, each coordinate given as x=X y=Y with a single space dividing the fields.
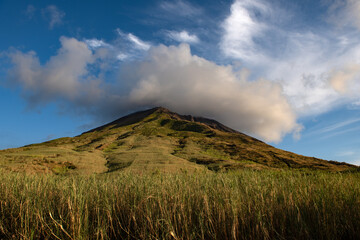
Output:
x=242 y=205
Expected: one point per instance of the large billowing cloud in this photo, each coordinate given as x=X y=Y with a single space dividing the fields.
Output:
x=174 y=78
x=168 y=76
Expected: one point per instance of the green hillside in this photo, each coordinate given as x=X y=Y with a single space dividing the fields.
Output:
x=157 y=140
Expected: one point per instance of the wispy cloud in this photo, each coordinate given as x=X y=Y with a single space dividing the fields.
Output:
x=125 y=48
x=315 y=66
x=134 y=40
x=346 y=153
x=341 y=132
x=338 y=125
x=54 y=15
x=104 y=50
x=138 y=42
x=30 y=11
x=180 y=8
x=241 y=28
x=348 y=126
x=183 y=36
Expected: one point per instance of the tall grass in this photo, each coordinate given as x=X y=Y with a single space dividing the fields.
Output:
x=243 y=205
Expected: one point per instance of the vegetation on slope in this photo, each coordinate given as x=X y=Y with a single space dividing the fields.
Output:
x=236 y=205
x=157 y=139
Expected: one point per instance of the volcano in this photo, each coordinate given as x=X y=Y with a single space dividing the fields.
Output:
x=157 y=140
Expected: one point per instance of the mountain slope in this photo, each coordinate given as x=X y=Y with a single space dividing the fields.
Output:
x=157 y=140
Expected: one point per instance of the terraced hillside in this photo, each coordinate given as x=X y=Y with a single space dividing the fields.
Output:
x=157 y=140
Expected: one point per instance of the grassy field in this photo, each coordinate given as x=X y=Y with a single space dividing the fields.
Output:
x=245 y=204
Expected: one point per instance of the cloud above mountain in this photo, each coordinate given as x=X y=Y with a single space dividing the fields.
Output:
x=167 y=76
x=174 y=78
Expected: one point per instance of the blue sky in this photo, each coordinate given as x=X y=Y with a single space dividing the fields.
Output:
x=286 y=72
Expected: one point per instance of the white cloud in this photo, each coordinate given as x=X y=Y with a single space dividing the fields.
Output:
x=183 y=36
x=135 y=41
x=138 y=42
x=122 y=56
x=169 y=76
x=64 y=76
x=96 y=43
x=241 y=28
x=54 y=15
